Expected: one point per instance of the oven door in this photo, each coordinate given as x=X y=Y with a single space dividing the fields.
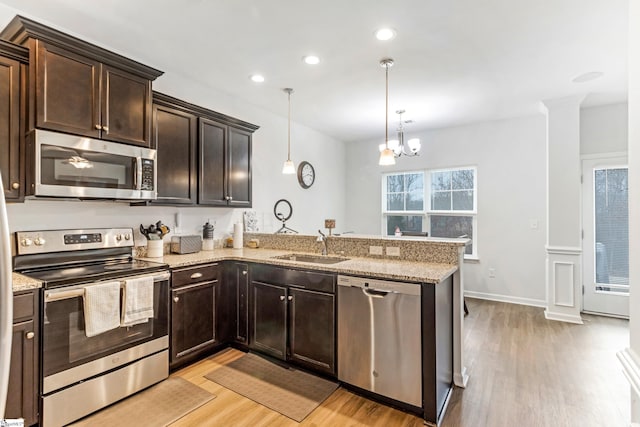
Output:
x=69 y=356
x=73 y=166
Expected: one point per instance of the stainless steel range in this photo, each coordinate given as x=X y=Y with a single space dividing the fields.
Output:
x=90 y=279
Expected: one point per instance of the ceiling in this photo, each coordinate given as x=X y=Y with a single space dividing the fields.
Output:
x=456 y=61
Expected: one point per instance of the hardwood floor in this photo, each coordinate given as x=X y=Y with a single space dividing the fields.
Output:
x=524 y=371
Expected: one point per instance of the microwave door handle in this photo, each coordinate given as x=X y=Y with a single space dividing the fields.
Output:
x=137 y=176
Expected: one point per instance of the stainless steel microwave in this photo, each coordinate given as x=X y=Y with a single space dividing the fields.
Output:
x=79 y=167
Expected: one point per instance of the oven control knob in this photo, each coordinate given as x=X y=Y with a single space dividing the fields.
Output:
x=26 y=242
x=39 y=241
x=127 y=236
x=118 y=237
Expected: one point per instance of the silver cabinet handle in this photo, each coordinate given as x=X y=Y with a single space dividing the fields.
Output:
x=30 y=335
x=105 y=128
x=196 y=275
x=281 y=297
x=98 y=127
x=244 y=272
x=176 y=299
x=15 y=185
x=290 y=298
x=230 y=198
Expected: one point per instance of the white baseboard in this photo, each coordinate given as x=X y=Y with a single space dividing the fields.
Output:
x=504 y=298
x=561 y=317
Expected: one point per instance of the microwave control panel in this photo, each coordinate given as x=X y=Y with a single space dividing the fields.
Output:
x=147 y=175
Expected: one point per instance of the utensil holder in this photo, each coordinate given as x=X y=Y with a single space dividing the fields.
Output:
x=155 y=248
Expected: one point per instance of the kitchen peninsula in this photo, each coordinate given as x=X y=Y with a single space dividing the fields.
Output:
x=247 y=279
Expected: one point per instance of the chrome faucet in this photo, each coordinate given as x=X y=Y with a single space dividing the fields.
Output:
x=322 y=238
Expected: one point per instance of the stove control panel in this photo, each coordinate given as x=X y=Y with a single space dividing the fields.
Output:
x=38 y=242
x=70 y=239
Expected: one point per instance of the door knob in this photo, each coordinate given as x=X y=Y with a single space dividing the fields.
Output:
x=105 y=128
x=98 y=127
x=30 y=335
x=290 y=298
x=244 y=272
x=281 y=297
x=15 y=185
x=176 y=299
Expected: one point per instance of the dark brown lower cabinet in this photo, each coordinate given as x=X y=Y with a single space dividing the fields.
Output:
x=193 y=313
x=292 y=316
x=269 y=315
x=312 y=329
x=22 y=399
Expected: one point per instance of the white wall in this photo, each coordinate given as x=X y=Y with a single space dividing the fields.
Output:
x=510 y=157
x=604 y=129
x=325 y=199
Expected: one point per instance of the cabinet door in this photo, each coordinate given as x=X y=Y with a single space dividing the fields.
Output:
x=23 y=381
x=192 y=319
x=10 y=71
x=175 y=138
x=126 y=107
x=212 y=168
x=239 y=168
x=67 y=91
x=242 y=302
x=269 y=319
x=312 y=329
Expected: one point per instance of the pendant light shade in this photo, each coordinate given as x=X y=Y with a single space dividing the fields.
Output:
x=289 y=168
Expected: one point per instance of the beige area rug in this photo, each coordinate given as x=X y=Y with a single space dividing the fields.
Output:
x=290 y=392
x=159 y=405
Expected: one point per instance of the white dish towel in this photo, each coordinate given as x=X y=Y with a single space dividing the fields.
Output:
x=101 y=308
x=137 y=304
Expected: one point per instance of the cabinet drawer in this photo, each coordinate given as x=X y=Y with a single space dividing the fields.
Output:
x=23 y=307
x=312 y=280
x=188 y=276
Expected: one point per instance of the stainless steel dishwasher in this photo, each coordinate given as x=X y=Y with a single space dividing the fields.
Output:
x=379 y=337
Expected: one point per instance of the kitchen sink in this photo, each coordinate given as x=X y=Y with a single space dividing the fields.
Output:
x=316 y=259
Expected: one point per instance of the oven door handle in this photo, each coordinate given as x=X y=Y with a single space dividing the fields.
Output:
x=137 y=175
x=78 y=291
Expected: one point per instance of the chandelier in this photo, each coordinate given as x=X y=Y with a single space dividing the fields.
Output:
x=394 y=148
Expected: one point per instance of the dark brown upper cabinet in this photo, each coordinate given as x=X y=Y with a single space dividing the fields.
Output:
x=13 y=77
x=80 y=88
x=176 y=139
x=225 y=165
x=204 y=157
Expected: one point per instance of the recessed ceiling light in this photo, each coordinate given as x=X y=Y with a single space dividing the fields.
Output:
x=311 y=59
x=257 y=78
x=385 y=34
x=587 y=77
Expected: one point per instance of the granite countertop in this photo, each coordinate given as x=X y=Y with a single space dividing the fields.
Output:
x=24 y=283
x=410 y=271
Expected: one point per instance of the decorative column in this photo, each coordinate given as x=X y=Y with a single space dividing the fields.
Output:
x=564 y=210
x=630 y=356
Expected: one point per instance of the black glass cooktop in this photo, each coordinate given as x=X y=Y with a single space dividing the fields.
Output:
x=85 y=273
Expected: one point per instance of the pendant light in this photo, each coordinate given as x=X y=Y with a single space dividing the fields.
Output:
x=289 y=168
x=387 y=157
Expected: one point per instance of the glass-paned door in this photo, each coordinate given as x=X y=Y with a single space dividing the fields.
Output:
x=606 y=236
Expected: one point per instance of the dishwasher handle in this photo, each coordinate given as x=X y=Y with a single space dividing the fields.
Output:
x=374 y=293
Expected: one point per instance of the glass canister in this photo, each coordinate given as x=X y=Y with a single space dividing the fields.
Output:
x=207 y=237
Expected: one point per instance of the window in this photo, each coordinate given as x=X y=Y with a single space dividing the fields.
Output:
x=403 y=201
x=452 y=211
x=444 y=204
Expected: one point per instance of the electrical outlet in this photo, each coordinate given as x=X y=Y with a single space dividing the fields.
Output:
x=393 y=251
x=375 y=250
x=492 y=273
